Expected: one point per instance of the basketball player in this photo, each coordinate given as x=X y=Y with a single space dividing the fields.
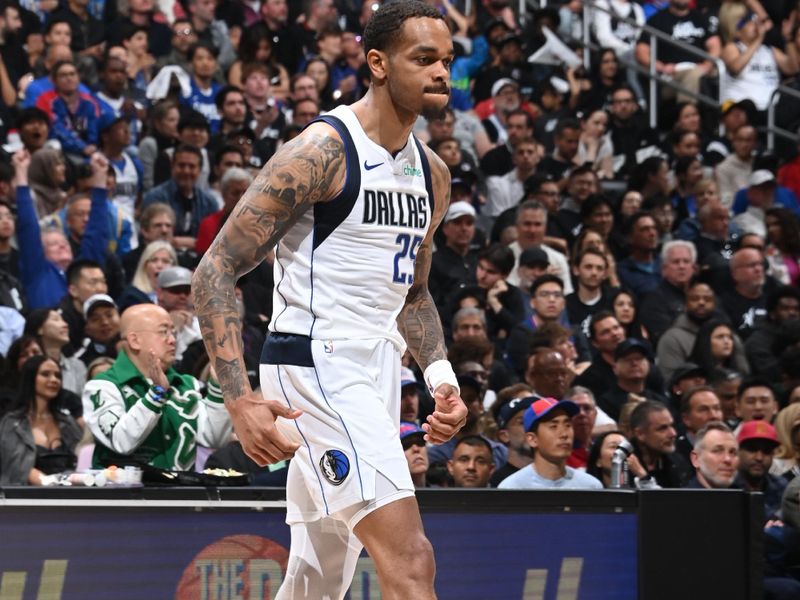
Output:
x=352 y=204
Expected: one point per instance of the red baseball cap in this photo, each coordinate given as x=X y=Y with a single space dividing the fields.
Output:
x=757 y=430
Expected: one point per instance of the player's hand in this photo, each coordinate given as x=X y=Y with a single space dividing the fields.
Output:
x=254 y=423
x=449 y=415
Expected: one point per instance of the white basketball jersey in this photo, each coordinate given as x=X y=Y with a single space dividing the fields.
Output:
x=344 y=269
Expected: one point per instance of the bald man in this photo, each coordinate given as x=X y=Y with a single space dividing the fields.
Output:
x=548 y=374
x=142 y=411
x=746 y=304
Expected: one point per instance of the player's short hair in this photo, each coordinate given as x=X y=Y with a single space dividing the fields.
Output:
x=753 y=382
x=686 y=399
x=386 y=25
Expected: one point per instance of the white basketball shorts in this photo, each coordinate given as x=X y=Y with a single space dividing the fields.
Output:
x=349 y=392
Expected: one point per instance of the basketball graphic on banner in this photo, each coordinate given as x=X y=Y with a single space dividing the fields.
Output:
x=249 y=567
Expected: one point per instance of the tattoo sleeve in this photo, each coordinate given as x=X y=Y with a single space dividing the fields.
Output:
x=419 y=321
x=307 y=170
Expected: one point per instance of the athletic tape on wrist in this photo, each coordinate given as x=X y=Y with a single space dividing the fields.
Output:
x=440 y=372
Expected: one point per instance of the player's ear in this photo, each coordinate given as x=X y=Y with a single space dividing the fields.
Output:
x=377 y=62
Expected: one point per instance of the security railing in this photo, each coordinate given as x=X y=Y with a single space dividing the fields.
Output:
x=772 y=128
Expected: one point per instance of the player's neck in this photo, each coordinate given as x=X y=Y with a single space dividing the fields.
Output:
x=383 y=122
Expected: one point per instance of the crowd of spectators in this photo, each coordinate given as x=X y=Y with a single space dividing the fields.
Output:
x=601 y=282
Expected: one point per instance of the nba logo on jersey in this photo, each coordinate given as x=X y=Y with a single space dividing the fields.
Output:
x=328 y=346
x=335 y=466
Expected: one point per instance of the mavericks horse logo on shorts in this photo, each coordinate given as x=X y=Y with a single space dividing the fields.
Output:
x=335 y=466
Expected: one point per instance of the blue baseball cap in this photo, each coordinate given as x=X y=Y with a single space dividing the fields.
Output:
x=407 y=377
x=511 y=408
x=407 y=431
x=542 y=407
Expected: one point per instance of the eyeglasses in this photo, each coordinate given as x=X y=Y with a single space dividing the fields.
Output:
x=162 y=333
x=185 y=32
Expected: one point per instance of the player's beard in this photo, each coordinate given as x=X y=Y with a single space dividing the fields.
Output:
x=434 y=113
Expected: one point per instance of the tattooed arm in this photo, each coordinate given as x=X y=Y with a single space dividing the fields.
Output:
x=419 y=322
x=307 y=170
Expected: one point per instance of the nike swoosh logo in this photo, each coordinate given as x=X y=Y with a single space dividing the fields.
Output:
x=370 y=167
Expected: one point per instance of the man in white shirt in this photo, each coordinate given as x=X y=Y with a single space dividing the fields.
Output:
x=548 y=423
x=504 y=191
x=733 y=173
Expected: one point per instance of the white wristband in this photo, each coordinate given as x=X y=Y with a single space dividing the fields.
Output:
x=438 y=373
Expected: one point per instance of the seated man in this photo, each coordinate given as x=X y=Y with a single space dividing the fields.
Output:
x=101 y=329
x=472 y=464
x=511 y=432
x=653 y=437
x=141 y=411
x=548 y=426
x=715 y=457
x=757 y=444
x=699 y=406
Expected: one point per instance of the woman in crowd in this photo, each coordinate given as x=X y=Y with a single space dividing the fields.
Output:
x=650 y=178
x=783 y=245
x=716 y=345
x=163 y=135
x=787 y=428
x=595 y=144
x=256 y=46
x=624 y=306
x=52 y=332
x=23 y=348
x=320 y=72
x=688 y=173
x=140 y=62
x=46 y=174
x=599 y=462
x=629 y=204
x=604 y=77
x=157 y=256
x=38 y=437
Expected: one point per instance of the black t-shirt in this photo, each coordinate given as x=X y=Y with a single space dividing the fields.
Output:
x=693 y=28
x=559 y=169
x=580 y=314
x=744 y=313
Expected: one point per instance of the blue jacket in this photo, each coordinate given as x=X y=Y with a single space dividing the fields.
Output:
x=45 y=284
x=463 y=71
x=76 y=130
x=783 y=197
x=637 y=278
x=119 y=228
x=40 y=86
x=203 y=203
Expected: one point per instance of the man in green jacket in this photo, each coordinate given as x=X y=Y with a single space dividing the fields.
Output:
x=143 y=411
